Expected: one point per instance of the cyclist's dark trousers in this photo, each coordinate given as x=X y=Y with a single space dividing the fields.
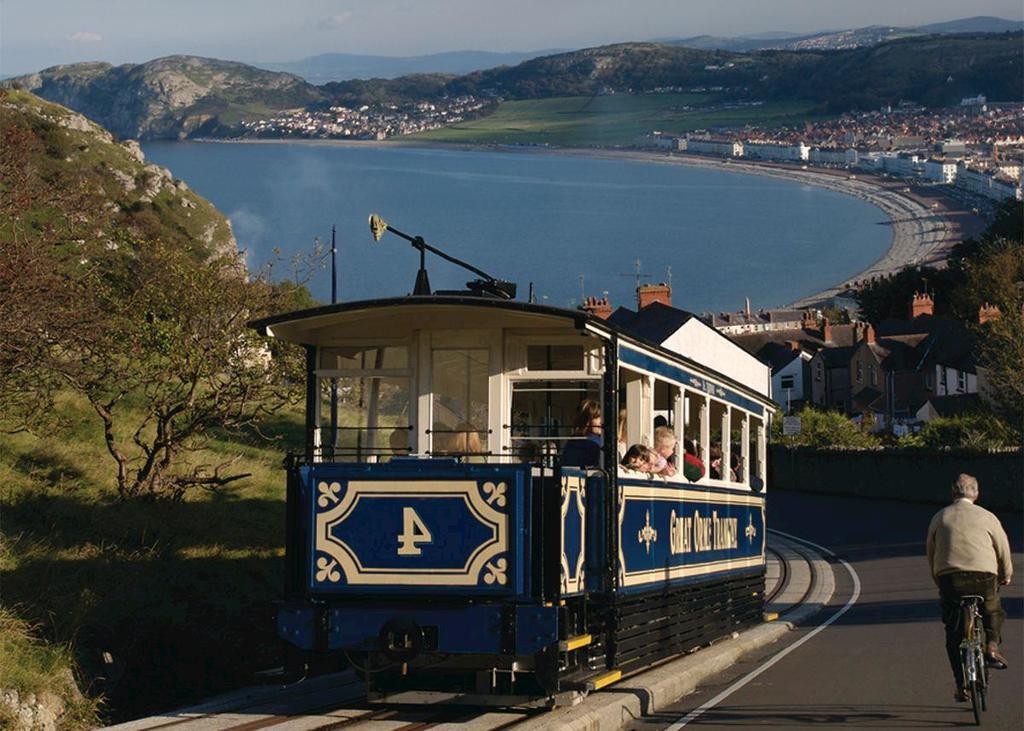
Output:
x=964 y=583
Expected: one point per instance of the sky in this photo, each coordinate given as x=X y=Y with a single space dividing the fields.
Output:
x=35 y=34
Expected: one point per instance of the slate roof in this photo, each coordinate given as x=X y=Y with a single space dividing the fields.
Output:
x=837 y=357
x=777 y=356
x=656 y=322
x=810 y=340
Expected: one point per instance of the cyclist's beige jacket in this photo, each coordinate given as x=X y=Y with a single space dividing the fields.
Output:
x=966 y=537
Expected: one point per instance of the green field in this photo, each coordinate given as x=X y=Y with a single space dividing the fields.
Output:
x=608 y=121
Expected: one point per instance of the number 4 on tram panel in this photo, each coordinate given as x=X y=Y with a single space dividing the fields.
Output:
x=413 y=532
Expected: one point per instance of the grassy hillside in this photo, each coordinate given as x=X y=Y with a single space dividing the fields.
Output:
x=147 y=602
x=157 y=603
x=94 y=187
x=608 y=121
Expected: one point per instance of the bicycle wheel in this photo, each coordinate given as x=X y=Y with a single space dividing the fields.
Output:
x=976 y=700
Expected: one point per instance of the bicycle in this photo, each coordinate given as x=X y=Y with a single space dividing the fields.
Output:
x=972 y=654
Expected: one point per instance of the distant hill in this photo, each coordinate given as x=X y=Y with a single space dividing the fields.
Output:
x=184 y=96
x=79 y=189
x=172 y=97
x=328 y=67
x=831 y=40
x=977 y=24
x=931 y=70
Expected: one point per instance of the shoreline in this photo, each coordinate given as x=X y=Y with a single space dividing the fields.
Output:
x=926 y=222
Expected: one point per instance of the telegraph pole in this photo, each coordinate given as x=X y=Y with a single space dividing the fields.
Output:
x=334 y=381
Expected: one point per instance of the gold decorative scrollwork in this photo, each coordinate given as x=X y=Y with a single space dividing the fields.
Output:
x=328 y=493
x=327 y=570
x=647 y=534
x=495 y=493
x=496 y=572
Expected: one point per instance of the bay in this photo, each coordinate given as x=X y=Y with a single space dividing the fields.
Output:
x=533 y=217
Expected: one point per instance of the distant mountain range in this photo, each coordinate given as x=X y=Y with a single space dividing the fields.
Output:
x=328 y=67
x=831 y=40
x=184 y=96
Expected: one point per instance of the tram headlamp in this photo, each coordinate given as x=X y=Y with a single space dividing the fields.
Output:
x=377 y=226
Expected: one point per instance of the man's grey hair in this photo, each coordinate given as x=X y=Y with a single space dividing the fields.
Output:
x=965 y=486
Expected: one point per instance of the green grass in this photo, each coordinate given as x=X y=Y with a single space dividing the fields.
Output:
x=161 y=603
x=612 y=120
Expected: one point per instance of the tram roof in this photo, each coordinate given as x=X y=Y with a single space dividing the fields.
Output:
x=307 y=327
x=313 y=326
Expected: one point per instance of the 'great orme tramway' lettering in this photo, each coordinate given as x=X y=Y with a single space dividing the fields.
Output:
x=696 y=533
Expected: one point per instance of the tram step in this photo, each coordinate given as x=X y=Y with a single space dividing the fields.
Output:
x=591 y=682
x=575 y=643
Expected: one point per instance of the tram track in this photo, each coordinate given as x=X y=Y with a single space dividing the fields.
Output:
x=331 y=705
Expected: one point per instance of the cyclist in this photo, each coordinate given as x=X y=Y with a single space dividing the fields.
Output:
x=969 y=554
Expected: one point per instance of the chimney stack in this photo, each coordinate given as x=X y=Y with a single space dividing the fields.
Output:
x=597 y=306
x=863 y=331
x=988 y=313
x=921 y=304
x=648 y=294
x=746 y=301
x=826 y=330
x=810 y=322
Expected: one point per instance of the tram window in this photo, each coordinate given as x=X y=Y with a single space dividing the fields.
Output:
x=737 y=446
x=554 y=358
x=459 y=424
x=363 y=357
x=372 y=417
x=755 y=453
x=543 y=416
x=718 y=466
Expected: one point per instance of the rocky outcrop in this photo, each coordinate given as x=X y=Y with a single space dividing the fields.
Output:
x=169 y=98
x=132 y=194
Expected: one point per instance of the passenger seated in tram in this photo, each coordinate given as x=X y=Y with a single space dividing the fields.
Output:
x=583 y=449
x=399 y=443
x=665 y=444
x=642 y=458
x=462 y=442
x=715 y=455
x=693 y=468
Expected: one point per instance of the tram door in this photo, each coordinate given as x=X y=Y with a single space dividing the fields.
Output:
x=461 y=379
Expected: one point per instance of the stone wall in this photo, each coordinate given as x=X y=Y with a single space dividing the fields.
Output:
x=915 y=475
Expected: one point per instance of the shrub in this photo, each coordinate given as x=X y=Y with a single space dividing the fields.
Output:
x=825 y=430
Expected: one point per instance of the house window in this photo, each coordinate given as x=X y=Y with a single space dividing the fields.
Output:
x=872 y=375
x=788 y=382
x=818 y=372
x=860 y=372
x=961 y=382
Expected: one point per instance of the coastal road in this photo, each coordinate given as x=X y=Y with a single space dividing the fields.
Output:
x=882 y=663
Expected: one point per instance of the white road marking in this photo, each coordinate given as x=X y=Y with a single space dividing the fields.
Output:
x=698 y=712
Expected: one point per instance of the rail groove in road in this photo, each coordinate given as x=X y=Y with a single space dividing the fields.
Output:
x=798 y=583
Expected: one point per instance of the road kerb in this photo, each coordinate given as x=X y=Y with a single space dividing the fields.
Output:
x=659 y=688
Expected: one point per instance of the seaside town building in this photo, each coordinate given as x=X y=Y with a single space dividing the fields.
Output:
x=911 y=142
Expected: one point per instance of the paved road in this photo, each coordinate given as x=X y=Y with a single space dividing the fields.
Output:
x=880 y=665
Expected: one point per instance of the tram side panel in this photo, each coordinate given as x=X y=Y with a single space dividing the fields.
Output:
x=690 y=568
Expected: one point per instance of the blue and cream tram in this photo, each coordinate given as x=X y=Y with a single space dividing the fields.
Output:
x=435 y=539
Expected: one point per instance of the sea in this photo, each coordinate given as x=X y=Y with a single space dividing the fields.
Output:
x=572 y=226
